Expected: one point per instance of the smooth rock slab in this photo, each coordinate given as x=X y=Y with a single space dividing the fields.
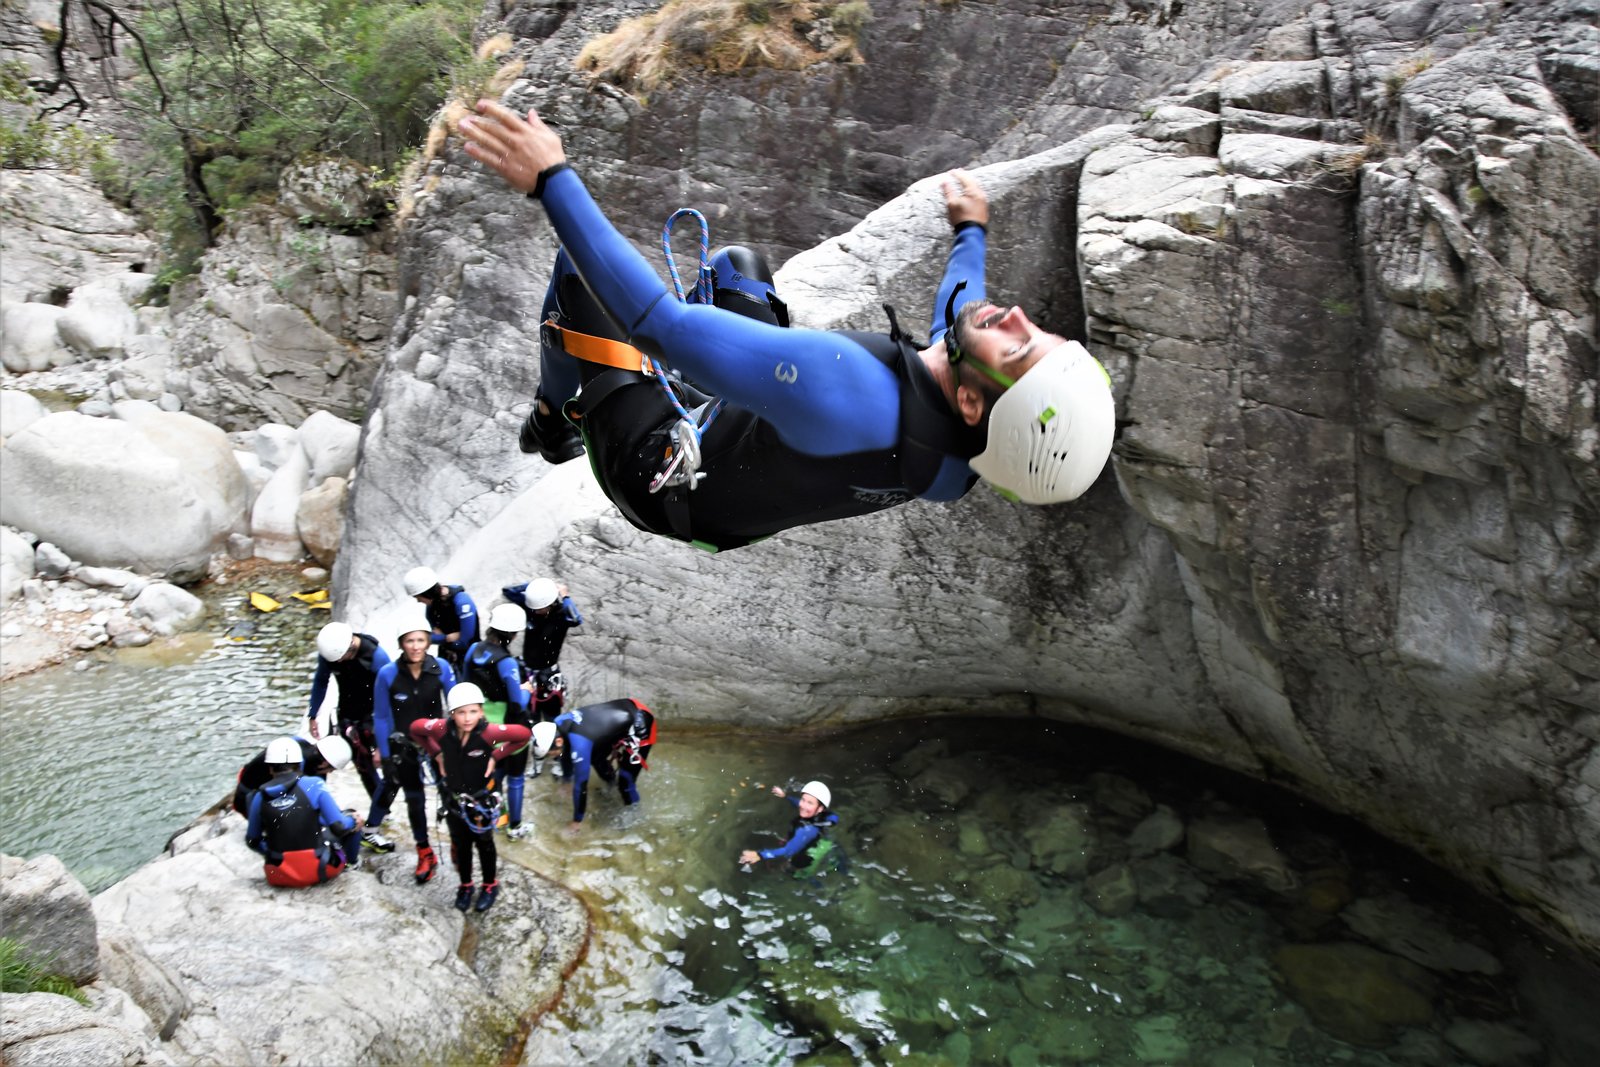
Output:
x=46 y=1030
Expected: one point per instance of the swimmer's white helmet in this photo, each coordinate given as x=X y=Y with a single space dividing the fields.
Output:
x=420 y=580
x=1050 y=434
x=333 y=641
x=544 y=735
x=411 y=622
x=463 y=694
x=508 y=618
x=818 y=790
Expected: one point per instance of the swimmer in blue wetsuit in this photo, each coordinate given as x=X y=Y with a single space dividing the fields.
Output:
x=808 y=843
x=612 y=739
x=816 y=425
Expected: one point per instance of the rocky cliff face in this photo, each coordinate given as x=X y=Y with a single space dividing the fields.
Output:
x=1342 y=264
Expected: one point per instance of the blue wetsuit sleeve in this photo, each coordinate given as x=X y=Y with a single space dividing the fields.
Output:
x=823 y=393
x=467 y=612
x=252 y=831
x=328 y=810
x=319 y=686
x=968 y=253
x=571 y=611
x=382 y=713
x=511 y=675
x=516 y=594
x=801 y=839
x=582 y=757
x=447 y=678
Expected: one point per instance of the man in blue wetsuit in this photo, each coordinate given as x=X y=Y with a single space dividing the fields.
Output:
x=816 y=425
x=411 y=688
x=612 y=739
x=297 y=825
x=551 y=614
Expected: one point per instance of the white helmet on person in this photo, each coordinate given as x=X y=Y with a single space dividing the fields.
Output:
x=1050 y=434
x=508 y=618
x=544 y=736
x=540 y=593
x=419 y=580
x=820 y=791
x=284 y=750
x=462 y=694
x=333 y=641
x=411 y=622
x=336 y=750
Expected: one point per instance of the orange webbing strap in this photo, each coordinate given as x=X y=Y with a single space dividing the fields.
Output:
x=592 y=349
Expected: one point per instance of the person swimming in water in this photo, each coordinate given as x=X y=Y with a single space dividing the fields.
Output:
x=808 y=844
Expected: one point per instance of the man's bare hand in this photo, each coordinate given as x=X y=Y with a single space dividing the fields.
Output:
x=515 y=148
x=964 y=199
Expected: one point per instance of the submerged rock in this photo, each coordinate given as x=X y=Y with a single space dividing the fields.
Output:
x=1408 y=929
x=1356 y=993
x=1239 y=847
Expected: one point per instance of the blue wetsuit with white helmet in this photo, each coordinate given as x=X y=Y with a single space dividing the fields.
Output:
x=817 y=425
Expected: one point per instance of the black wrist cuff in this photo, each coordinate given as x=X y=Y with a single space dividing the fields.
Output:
x=970 y=222
x=544 y=176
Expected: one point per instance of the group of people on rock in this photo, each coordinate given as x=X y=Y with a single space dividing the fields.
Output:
x=467 y=721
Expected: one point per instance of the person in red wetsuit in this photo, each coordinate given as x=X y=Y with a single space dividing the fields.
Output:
x=467 y=750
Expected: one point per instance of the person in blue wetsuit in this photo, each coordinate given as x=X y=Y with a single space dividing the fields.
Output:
x=450 y=610
x=411 y=688
x=816 y=425
x=297 y=825
x=493 y=669
x=551 y=615
x=808 y=844
x=612 y=740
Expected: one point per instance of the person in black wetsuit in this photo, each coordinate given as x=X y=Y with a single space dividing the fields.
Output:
x=295 y=823
x=353 y=660
x=318 y=759
x=808 y=844
x=450 y=610
x=467 y=749
x=612 y=739
x=491 y=667
x=551 y=616
x=409 y=689
x=816 y=425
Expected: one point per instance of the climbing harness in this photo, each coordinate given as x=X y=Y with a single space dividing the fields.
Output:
x=683 y=464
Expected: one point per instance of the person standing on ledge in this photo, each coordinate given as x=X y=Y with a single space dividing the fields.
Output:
x=773 y=427
x=353 y=660
x=450 y=610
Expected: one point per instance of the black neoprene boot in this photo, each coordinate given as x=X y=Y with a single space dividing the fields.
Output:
x=548 y=434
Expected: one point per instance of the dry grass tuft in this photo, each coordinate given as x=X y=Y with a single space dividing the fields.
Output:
x=725 y=36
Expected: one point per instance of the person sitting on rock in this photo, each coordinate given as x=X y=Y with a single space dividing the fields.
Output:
x=814 y=425
x=411 y=688
x=318 y=758
x=354 y=660
x=551 y=614
x=467 y=750
x=808 y=844
x=297 y=825
x=612 y=739
x=492 y=668
x=450 y=610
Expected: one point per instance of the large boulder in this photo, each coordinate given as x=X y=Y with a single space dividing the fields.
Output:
x=451 y=988
x=59 y=232
x=17 y=410
x=30 y=337
x=47 y=1030
x=158 y=495
x=320 y=520
x=46 y=911
x=274 y=517
x=330 y=445
x=98 y=321
x=16 y=564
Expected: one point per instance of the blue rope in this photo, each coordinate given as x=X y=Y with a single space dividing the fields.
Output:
x=700 y=295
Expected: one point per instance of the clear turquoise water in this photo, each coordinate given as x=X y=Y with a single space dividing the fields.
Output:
x=966 y=929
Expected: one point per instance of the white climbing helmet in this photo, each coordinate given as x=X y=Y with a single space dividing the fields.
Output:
x=1050 y=434
x=411 y=622
x=463 y=694
x=541 y=593
x=818 y=790
x=544 y=736
x=333 y=641
x=509 y=618
x=336 y=750
x=420 y=580
x=283 y=750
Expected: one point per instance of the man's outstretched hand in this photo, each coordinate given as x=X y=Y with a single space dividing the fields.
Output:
x=515 y=148
x=964 y=199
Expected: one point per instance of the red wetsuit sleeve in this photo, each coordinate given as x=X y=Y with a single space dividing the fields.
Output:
x=426 y=732
x=509 y=738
